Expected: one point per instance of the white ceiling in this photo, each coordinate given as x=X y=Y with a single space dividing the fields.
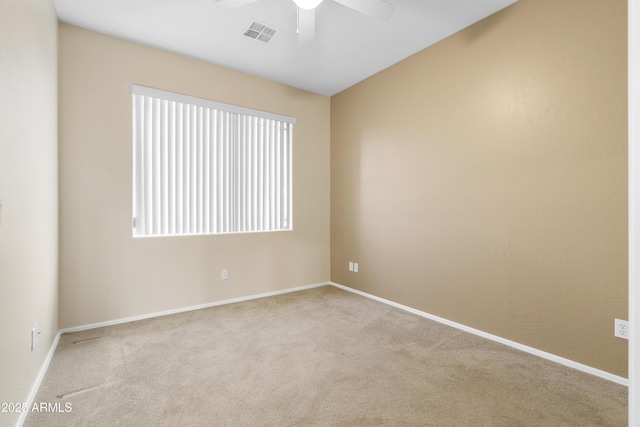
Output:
x=348 y=46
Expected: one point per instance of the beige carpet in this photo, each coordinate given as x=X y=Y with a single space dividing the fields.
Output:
x=320 y=357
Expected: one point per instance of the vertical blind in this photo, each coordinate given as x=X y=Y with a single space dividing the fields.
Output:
x=204 y=167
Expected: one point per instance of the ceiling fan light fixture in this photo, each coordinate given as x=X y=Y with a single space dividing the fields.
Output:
x=307 y=4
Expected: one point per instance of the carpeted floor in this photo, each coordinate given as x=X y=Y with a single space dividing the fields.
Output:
x=320 y=357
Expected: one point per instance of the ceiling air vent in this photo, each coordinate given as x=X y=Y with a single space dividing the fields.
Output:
x=260 y=32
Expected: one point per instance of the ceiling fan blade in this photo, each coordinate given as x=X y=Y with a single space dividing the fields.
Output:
x=306 y=26
x=380 y=9
x=230 y=4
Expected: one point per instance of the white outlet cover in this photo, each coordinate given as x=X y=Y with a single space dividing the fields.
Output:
x=34 y=337
x=350 y=266
x=355 y=267
x=621 y=329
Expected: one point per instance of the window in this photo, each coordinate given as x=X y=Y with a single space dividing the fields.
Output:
x=203 y=167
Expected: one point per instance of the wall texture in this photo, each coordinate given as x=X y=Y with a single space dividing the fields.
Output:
x=28 y=193
x=105 y=274
x=484 y=179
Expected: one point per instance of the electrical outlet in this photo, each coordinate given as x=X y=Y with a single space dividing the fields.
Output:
x=34 y=337
x=225 y=274
x=355 y=267
x=350 y=265
x=621 y=329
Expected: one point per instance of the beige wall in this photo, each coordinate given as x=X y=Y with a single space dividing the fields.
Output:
x=484 y=179
x=105 y=274
x=28 y=193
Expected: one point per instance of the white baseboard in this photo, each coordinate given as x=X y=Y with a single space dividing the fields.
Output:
x=39 y=378
x=522 y=347
x=185 y=309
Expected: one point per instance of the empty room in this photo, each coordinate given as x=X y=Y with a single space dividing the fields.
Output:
x=334 y=212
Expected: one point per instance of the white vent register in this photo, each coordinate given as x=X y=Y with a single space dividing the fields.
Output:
x=260 y=32
x=204 y=167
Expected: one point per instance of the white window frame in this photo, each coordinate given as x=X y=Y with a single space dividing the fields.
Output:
x=205 y=167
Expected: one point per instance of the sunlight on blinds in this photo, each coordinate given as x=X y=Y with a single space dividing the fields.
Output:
x=203 y=167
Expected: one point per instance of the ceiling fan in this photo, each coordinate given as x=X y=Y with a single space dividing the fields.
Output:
x=380 y=9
